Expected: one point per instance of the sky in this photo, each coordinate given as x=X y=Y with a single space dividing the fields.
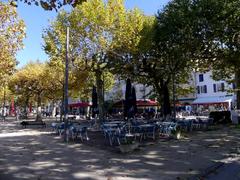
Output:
x=36 y=20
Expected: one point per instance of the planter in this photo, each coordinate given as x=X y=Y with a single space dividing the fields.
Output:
x=176 y=134
x=125 y=148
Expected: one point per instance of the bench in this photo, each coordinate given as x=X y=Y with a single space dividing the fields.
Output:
x=33 y=123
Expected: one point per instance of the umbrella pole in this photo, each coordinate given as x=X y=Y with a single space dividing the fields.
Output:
x=128 y=126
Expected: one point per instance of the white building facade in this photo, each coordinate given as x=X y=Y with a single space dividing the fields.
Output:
x=208 y=95
x=118 y=91
x=216 y=95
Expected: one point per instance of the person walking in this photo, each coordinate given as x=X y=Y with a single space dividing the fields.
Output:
x=17 y=113
x=4 y=113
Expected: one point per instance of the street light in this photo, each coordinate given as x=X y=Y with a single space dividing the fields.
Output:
x=66 y=89
x=4 y=103
x=174 y=96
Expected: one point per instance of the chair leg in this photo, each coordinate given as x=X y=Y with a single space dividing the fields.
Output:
x=141 y=136
x=110 y=141
x=81 y=136
x=86 y=136
x=118 y=140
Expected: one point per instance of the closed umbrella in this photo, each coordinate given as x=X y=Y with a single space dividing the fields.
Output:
x=134 y=102
x=128 y=97
x=94 y=102
x=12 y=107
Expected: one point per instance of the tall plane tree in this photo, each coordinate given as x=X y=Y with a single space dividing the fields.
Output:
x=216 y=25
x=98 y=28
x=163 y=55
x=12 y=32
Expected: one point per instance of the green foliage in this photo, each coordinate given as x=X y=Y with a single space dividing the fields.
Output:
x=28 y=82
x=165 y=53
x=44 y=80
x=98 y=30
x=215 y=31
x=49 y=4
x=12 y=32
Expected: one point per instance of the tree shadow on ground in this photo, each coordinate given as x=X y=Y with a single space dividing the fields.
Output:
x=36 y=154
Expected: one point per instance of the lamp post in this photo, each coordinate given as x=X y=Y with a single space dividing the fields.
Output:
x=174 y=97
x=66 y=90
x=4 y=103
x=16 y=103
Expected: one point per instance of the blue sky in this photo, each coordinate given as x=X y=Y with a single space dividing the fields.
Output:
x=36 y=19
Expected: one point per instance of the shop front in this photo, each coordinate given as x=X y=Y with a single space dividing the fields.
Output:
x=218 y=103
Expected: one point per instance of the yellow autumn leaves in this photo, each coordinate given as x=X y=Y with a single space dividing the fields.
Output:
x=12 y=32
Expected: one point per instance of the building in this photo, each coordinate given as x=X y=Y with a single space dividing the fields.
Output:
x=118 y=91
x=208 y=94
x=212 y=95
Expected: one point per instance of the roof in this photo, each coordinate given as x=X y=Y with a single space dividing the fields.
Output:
x=147 y=103
x=213 y=100
x=139 y=102
x=79 y=104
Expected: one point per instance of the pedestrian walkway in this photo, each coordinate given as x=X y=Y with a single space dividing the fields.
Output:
x=229 y=170
x=34 y=153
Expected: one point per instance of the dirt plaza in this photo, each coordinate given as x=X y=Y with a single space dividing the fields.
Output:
x=37 y=153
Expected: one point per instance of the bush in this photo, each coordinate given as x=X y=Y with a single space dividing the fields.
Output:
x=220 y=117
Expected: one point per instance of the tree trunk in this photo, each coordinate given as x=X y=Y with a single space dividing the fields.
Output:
x=39 y=116
x=163 y=98
x=237 y=81
x=99 y=83
x=54 y=108
x=62 y=106
x=166 y=100
x=4 y=103
x=174 y=96
x=25 y=111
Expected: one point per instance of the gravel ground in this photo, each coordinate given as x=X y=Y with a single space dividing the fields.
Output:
x=36 y=153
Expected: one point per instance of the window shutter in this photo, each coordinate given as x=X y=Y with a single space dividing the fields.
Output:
x=214 y=88
x=205 y=88
x=233 y=85
x=222 y=86
x=201 y=78
x=198 y=89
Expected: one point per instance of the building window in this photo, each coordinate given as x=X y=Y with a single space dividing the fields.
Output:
x=233 y=85
x=201 y=78
x=198 y=89
x=214 y=88
x=202 y=89
x=220 y=87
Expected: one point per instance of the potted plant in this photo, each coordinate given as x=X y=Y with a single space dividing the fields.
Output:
x=176 y=133
x=128 y=146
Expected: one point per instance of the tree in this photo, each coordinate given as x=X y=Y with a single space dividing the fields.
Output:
x=163 y=55
x=217 y=27
x=30 y=83
x=12 y=32
x=98 y=29
x=171 y=55
x=5 y=95
x=214 y=36
x=49 y=4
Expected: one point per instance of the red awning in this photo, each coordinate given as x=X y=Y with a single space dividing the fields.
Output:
x=80 y=104
x=146 y=103
x=140 y=103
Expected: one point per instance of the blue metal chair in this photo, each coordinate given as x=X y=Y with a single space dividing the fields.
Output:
x=82 y=133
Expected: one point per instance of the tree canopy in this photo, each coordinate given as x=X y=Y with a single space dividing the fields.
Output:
x=162 y=56
x=218 y=31
x=12 y=32
x=213 y=32
x=49 y=4
x=97 y=29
